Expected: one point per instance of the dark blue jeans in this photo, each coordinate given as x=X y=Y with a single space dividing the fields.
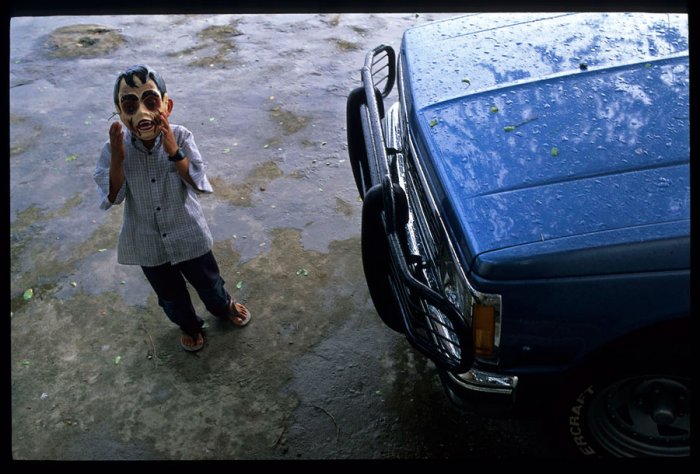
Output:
x=168 y=281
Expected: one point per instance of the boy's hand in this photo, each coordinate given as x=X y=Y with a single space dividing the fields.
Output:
x=169 y=143
x=116 y=142
x=116 y=170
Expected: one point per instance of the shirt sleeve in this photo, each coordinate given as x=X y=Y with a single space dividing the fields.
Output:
x=101 y=177
x=198 y=166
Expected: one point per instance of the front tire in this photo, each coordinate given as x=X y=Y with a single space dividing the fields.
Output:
x=376 y=260
x=627 y=413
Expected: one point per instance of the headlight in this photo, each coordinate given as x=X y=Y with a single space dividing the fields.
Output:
x=482 y=311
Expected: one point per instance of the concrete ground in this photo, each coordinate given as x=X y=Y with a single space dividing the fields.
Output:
x=97 y=372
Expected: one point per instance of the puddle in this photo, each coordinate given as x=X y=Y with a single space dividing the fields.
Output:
x=46 y=246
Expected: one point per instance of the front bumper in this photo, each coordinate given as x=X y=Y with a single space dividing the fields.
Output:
x=484 y=392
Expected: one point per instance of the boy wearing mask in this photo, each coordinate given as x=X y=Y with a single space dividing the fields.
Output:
x=156 y=170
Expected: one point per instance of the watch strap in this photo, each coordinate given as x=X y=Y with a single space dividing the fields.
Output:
x=178 y=156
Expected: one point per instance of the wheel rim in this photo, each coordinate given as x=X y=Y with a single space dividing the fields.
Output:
x=643 y=416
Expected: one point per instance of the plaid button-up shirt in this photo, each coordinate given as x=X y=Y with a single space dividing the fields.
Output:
x=163 y=220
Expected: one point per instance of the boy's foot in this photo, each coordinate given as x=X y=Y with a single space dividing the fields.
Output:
x=191 y=344
x=238 y=314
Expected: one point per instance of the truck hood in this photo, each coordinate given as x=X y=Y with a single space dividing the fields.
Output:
x=555 y=136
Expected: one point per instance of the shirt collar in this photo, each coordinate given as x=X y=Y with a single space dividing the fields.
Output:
x=138 y=144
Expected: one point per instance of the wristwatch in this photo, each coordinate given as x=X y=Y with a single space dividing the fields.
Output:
x=178 y=156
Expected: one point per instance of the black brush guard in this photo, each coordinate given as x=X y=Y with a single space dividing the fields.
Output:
x=432 y=323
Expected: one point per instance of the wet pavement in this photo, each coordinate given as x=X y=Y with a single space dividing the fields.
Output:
x=96 y=368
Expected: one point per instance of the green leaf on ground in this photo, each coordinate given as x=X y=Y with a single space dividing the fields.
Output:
x=28 y=294
x=554 y=151
x=509 y=128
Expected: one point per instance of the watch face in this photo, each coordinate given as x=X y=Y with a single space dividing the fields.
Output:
x=140 y=107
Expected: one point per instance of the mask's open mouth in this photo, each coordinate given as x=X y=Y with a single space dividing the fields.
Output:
x=145 y=126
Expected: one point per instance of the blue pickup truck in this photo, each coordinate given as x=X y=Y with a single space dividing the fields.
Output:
x=526 y=217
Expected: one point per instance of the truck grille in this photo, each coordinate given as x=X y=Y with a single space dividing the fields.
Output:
x=432 y=323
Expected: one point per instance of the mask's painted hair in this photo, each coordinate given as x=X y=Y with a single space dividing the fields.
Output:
x=144 y=73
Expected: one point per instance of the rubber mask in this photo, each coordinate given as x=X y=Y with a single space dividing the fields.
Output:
x=140 y=108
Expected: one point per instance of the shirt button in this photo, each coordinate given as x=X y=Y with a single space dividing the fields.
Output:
x=153 y=180
x=157 y=208
x=164 y=235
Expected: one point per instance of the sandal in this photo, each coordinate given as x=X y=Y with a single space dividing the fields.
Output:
x=195 y=347
x=237 y=310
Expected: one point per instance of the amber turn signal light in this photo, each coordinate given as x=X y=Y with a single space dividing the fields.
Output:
x=484 y=329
